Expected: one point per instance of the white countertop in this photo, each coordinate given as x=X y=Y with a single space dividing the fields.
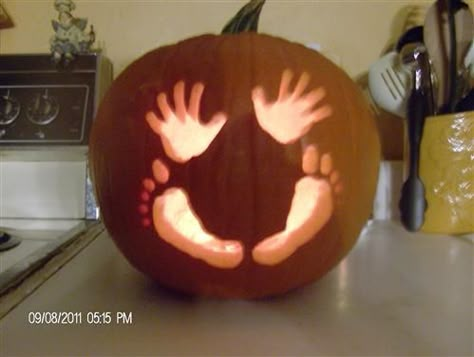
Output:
x=395 y=294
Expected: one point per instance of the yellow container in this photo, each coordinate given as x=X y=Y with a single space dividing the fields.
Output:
x=447 y=171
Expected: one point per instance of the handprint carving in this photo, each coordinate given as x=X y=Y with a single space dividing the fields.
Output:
x=182 y=133
x=293 y=114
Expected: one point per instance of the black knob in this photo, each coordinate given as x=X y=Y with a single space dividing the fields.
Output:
x=9 y=109
x=42 y=109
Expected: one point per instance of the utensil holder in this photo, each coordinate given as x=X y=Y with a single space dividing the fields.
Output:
x=447 y=171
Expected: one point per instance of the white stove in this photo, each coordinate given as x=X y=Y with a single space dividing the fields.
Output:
x=38 y=239
x=46 y=198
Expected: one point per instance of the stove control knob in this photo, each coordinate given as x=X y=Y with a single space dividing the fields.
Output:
x=9 y=109
x=42 y=109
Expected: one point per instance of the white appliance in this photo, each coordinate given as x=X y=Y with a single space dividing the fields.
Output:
x=46 y=113
x=45 y=117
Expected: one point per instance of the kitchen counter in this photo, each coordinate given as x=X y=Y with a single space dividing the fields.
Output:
x=396 y=293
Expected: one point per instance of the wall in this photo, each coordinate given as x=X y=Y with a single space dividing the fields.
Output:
x=353 y=32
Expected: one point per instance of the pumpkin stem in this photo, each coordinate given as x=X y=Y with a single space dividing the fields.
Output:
x=246 y=19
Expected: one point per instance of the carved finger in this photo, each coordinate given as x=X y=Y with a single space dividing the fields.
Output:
x=154 y=122
x=259 y=100
x=162 y=102
x=314 y=96
x=285 y=84
x=304 y=106
x=321 y=113
x=179 y=104
x=301 y=85
x=195 y=100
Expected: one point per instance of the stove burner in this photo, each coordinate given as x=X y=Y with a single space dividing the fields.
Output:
x=8 y=241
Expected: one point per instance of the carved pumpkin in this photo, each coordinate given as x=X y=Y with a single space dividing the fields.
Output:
x=234 y=165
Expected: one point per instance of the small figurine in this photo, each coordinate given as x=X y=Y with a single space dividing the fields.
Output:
x=69 y=38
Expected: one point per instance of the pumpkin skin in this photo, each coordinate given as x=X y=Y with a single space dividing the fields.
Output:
x=241 y=186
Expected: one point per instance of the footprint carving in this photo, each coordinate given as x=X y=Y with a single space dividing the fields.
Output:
x=161 y=175
x=311 y=208
x=175 y=221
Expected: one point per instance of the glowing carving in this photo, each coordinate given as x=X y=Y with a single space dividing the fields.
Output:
x=310 y=160
x=181 y=131
x=184 y=136
x=176 y=222
x=311 y=208
x=292 y=114
x=149 y=184
x=161 y=171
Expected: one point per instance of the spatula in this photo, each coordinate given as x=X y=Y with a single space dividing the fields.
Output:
x=389 y=84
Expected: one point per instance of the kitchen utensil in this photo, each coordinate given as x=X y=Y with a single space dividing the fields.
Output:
x=464 y=24
x=407 y=44
x=447 y=40
x=452 y=60
x=389 y=82
x=469 y=60
x=464 y=30
x=412 y=202
x=436 y=38
x=410 y=53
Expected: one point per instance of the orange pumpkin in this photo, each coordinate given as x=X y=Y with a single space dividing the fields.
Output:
x=234 y=165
